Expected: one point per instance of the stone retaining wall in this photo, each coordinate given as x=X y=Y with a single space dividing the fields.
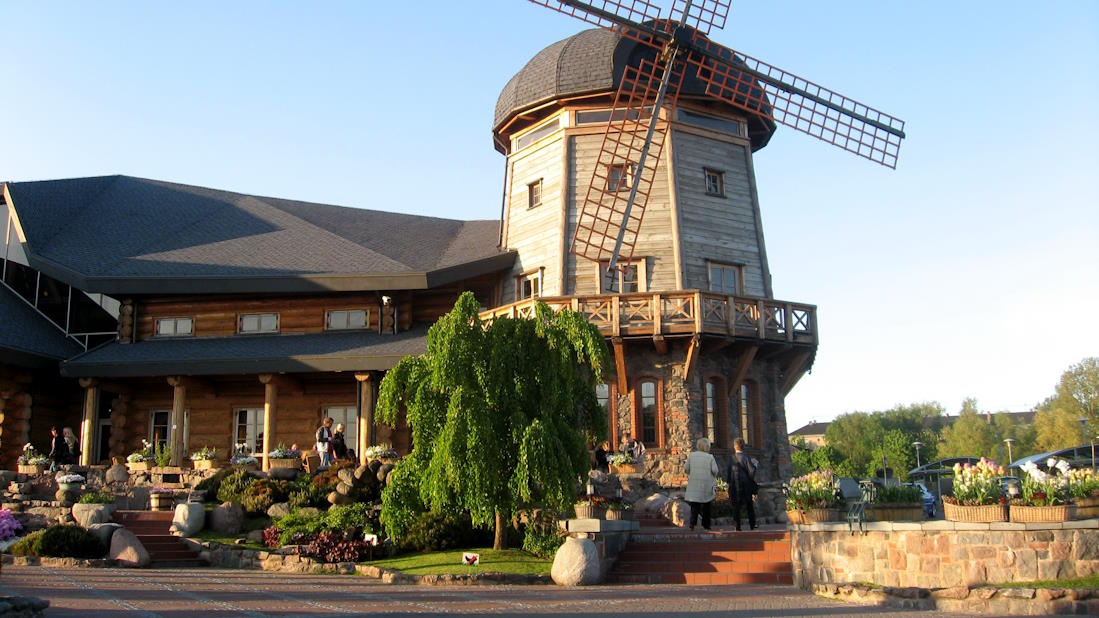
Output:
x=985 y=600
x=943 y=554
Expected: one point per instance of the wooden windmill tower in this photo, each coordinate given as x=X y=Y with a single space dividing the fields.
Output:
x=631 y=196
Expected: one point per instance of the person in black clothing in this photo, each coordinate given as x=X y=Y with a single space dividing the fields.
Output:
x=741 y=476
x=59 y=451
x=339 y=443
x=601 y=452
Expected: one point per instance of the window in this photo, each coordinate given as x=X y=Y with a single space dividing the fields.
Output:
x=648 y=416
x=534 y=194
x=710 y=416
x=259 y=323
x=604 y=394
x=602 y=116
x=715 y=182
x=536 y=134
x=174 y=327
x=348 y=416
x=250 y=430
x=158 y=427
x=747 y=405
x=710 y=122
x=629 y=277
x=724 y=278
x=529 y=285
x=618 y=177
x=346 y=319
x=715 y=413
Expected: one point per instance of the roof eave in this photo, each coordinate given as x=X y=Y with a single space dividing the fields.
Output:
x=200 y=367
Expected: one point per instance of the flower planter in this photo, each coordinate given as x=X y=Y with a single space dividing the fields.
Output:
x=70 y=486
x=986 y=513
x=1087 y=508
x=895 y=512
x=137 y=466
x=617 y=514
x=1042 y=514
x=251 y=467
x=813 y=516
x=30 y=468
x=587 y=511
x=161 y=502
x=625 y=468
x=203 y=464
x=294 y=463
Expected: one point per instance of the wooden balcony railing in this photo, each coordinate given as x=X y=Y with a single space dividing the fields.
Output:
x=682 y=313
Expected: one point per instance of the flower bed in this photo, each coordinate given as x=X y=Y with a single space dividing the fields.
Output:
x=814 y=492
x=978 y=496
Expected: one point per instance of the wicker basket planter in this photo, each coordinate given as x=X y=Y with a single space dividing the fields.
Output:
x=137 y=466
x=1087 y=508
x=895 y=512
x=204 y=464
x=813 y=516
x=617 y=514
x=986 y=513
x=34 y=469
x=1042 y=514
x=587 y=511
x=625 y=468
x=293 y=463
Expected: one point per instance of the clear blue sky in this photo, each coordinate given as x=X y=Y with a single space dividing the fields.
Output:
x=971 y=270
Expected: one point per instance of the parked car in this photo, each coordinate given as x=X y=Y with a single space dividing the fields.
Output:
x=927 y=497
x=1011 y=486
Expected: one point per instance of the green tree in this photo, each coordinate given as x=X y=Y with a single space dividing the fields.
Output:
x=970 y=435
x=500 y=416
x=858 y=436
x=1077 y=396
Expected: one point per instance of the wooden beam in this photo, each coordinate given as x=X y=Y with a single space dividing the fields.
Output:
x=794 y=372
x=742 y=367
x=89 y=422
x=270 y=411
x=620 y=363
x=367 y=434
x=176 y=424
x=692 y=355
x=660 y=344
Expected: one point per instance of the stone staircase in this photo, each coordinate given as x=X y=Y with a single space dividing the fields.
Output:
x=669 y=555
x=165 y=549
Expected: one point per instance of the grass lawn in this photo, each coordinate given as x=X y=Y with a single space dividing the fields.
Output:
x=1091 y=582
x=210 y=535
x=511 y=561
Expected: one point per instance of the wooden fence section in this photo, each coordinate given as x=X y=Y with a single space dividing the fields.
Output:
x=682 y=313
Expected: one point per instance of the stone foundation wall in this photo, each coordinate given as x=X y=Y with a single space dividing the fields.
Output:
x=943 y=554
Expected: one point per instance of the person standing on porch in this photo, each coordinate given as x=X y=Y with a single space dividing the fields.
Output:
x=741 y=476
x=324 y=442
x=702 y=471
x=339 y=443
x=59 y=451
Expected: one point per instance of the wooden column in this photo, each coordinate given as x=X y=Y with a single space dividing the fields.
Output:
x=366 y=435
x=270 y=409
x=175 y=425
x=90 y=420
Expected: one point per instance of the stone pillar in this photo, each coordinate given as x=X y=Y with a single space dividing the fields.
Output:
x=366 y=435
x=270 y=408
x=126 y=321
x=175 y=425
x=91 y=419
x=117 y=443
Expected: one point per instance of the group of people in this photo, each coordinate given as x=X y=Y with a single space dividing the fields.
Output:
x=63 y=449
x=629 y=446
x=332 y=443
x=702 y=474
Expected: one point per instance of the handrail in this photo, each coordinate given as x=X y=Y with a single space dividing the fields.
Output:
x=680 y=313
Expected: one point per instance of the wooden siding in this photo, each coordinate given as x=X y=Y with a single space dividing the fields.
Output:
x=535 y=232
x=722 y=229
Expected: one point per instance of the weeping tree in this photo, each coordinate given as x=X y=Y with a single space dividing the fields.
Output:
x=500 y=415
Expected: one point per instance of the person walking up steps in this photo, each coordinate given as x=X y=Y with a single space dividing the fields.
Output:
x=702 y=474
x=741 y=476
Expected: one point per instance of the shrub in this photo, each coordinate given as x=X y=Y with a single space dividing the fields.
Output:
x=433 y=531
x=97 y=497
x=542 y=540
x=350 y=517
x=331 y=546
x=812 y=491
x=212 y=484
x=328 y=479
x=233 y=485
x=60 y=542
x=898 y=494
x=303 y=492
x=259 y=495
x=293 y=524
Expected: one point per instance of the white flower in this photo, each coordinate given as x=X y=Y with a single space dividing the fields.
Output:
x=28 y=447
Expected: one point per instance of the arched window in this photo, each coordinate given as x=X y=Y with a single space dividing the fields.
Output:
x=648 y=404
x=748 y=413
x=709 y=424
x=608 y=400
x=714 y=413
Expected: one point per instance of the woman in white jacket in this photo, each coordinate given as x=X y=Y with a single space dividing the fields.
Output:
x=702 y=474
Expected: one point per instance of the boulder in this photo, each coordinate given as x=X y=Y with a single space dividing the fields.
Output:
x=128 y=550
x=104 y=532
x=383 y=472
x=677 y=511
x=67 y=497
x=88 y=514
x=346 y=475
x=576 y=563
x=375 y=465
x=339 y=499
x=189 y=519
x=279 y=509
x=285 y=474
x=363 y=471
x=6 y=476
x=227 y=518
x=653 y=504
x=118 y=473
x=344 y=488
x=255 y=536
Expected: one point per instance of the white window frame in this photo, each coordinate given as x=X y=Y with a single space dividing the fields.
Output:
x=534 y=280
x=709 y=408
x=259 y=318
x=348 y=414
x=737 y=269
x=534 y=194
x=719 y=176
x=640 y=266
x=623 y=172
x=174 y=323
x=253 y=429
x=343 y=319
x=167 y=439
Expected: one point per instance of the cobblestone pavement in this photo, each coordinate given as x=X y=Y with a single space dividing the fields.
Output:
x=104 y=593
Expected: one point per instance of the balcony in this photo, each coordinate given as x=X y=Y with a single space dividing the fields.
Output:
x=687 y=312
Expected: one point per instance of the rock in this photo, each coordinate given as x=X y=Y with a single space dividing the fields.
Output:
x=598 y=476
x=20 y=488
x=347 y=475
x=127 y=550
x=653 y=504
x=576 y=563
x=677 y=511
x=66 y=496
x=189 y=519
x=309 y=511
x=118 y=473
x=286 y=474
x=255 y=536
x=104 y=532
x=363 y=471
x=339 y=499
x=88 y=514
x=6 y=476
x=227 y=518
x=344 y=489
x=279 y=509
x=383 y=472
x=375 y=465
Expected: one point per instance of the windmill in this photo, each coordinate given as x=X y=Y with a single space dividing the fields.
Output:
x=678 y=46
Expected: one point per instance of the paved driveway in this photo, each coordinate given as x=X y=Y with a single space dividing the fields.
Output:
x=103 y=593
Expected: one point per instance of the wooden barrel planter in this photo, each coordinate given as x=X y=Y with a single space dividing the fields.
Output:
x=137 y=466
x=161 y=501
x=203 y=464
x=1087 y=508
x=983 y=514
x=813 y=516
x=616 y=514
x=1041 y=514
x=292 y=462
x=32 y=469
x=625 y=468
x=895 y=512
x=587 y=511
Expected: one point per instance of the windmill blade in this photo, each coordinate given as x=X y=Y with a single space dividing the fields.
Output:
x=781 y=96
x=609 y=218
x=702 y=15
x=625 y=17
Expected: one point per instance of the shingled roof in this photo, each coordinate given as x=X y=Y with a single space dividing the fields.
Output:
x=125 y=235
x=26 y=338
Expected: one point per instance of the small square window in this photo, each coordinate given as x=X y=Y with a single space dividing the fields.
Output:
x=174 y=327
x=715 y=182
x=629 y=277
x=529 y=285
x=724 y=278
x=344 y=319
x=618 y=177
x=259 y=323
x=534 y=194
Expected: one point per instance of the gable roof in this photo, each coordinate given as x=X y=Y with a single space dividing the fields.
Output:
x=125 y=235
x=812 y=429
x=26 y=338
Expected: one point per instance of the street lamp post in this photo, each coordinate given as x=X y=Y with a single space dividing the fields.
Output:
x=1083 y=428
x=917 y=444
x=1009 y=442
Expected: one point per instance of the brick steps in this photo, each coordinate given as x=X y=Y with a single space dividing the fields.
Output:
x=678 y=556
x=152 y=529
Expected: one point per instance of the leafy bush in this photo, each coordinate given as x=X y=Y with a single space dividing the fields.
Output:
x=60 y=542
x=259 y=495
x=295 y=523
x=542 y=540
x=331 y=546
x=433 y=531
x=97 y=497
x=351 y=516
x=328 y=479
x=894 y=494
x=212 y=484
x=303 y=492
x=233 y=485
